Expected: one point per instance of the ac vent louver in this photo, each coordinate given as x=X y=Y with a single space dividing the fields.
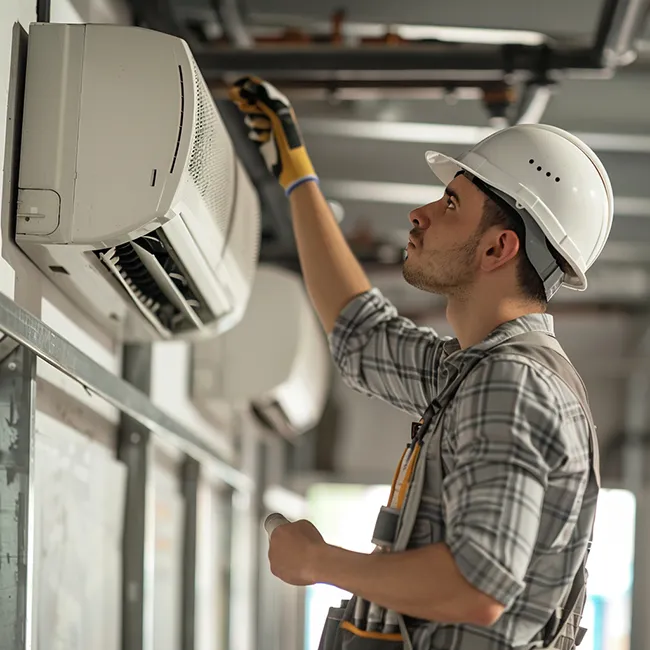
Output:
x=147 y=270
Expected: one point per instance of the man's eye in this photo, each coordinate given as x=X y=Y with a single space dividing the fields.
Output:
x=450 y=203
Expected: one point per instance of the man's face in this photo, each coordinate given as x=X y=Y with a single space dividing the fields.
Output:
x=443 y=249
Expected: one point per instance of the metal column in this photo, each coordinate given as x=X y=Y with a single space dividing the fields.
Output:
x=189 y=479
x=17 y=404
x=134 y=452
x=634 y=464
x=244 y=558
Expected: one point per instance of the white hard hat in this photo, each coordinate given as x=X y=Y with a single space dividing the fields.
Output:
x=552 y=176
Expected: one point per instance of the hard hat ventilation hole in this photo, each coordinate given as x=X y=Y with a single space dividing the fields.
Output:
x=539 y=169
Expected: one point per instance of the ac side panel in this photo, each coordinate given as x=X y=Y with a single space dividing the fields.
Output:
x=209 y=173
x=304 y=394
x=50 y=131
x=239 y=262
x=135 y=88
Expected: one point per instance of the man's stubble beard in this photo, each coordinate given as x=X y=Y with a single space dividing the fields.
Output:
x=450 y=275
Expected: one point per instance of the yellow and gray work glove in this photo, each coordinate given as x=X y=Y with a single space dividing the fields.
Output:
x=273 y=126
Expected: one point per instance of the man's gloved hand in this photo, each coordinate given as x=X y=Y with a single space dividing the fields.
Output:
x=273 y=126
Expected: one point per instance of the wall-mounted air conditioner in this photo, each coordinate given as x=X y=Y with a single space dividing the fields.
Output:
x=131 y=197
x=275 y=362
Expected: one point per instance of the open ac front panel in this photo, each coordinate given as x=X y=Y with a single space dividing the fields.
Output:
x=131 y=197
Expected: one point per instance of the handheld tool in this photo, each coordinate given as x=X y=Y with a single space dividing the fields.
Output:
x=274 y=520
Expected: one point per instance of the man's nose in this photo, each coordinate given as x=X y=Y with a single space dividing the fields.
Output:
x=419 y=218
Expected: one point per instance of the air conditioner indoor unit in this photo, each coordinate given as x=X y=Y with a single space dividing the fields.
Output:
x=275 y=362
x=131 y=197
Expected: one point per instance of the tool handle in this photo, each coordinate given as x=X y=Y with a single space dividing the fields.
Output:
x=374 y=618
x=391 y=622
x=274 y=520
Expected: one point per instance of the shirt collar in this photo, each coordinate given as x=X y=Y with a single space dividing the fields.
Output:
x=505 y=331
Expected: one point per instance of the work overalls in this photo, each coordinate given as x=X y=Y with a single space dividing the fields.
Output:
x=356 y=625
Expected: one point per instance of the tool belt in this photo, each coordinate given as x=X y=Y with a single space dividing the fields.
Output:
x=358 y=625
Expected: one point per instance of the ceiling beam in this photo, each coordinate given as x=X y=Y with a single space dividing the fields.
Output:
x=419 y=194
x=454 y=134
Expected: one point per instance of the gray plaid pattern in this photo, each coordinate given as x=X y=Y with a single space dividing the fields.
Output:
x=516 y=504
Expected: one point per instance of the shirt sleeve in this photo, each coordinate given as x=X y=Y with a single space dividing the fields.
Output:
x=384 y=355
x=507 y=417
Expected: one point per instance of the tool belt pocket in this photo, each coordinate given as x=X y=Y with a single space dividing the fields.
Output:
x=339 y=633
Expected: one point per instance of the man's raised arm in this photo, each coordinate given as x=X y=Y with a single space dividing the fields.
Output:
x=378 y=352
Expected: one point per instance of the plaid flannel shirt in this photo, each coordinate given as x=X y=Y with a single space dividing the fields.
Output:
x=516 y=503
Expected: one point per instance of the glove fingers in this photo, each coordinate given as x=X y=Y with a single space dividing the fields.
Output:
x=259 y=127
x=257 y=121
x=247 y=90
x=253 y=91
x=246 y=80
x=245 y=98
x=259 y=136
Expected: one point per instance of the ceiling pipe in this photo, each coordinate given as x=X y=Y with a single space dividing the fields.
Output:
x=271 y=24
x=533 y=104
x=422 y=62
x=320 y=70
x=365 y=89
x=621 y=23
x=233 y=24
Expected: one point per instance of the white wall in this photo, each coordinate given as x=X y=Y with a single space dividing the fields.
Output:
x=78 y=524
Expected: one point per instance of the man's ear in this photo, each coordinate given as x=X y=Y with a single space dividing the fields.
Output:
x=500 y=247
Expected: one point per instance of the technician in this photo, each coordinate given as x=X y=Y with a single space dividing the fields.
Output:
x=505 y=518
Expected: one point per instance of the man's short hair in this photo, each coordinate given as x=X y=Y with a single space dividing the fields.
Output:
x=531 y=284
